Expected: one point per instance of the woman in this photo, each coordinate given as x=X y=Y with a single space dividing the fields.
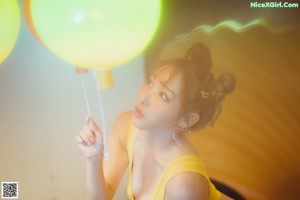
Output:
x=179 y=96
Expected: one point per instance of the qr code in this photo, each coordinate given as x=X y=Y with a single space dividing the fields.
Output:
x=9 y=190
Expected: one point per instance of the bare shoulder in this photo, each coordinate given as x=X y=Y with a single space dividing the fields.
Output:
x=123 y=118
x=187 y=186
x=120 y=125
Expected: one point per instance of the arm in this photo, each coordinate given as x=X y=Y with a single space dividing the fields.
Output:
x=104 y=176
x=187 y=186
x=117 y=163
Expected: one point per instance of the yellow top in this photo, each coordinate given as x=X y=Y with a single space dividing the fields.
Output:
x=186 y=163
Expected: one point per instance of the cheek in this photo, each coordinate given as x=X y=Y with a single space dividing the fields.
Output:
x=159 y=115
x=163 y=116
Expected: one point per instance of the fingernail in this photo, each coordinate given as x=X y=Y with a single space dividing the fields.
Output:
x=87 y=119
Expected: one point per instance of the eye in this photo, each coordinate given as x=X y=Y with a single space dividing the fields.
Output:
x=164 y=97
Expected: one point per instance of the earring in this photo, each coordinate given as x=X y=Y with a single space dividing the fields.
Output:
x=187 y=130
x=173 y=135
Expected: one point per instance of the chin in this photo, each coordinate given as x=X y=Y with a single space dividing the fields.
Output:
x=142 y=123
x=138 y=122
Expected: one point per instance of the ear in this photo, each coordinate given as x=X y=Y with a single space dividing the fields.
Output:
x=193 y=118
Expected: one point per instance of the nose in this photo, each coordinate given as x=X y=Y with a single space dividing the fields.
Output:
x=144 y=100
x=145 y=96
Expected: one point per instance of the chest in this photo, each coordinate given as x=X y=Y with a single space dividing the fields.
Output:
x=146 y=171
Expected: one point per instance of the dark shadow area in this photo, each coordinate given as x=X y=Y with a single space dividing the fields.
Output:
x=225 y=189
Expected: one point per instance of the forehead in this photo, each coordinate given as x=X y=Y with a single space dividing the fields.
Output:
x=170 y=77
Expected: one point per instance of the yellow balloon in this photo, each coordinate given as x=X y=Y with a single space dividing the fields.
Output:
x=9 y=26
x=92 y=33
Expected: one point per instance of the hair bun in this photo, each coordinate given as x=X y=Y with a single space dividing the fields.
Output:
x=225 y=84
x=200 y=55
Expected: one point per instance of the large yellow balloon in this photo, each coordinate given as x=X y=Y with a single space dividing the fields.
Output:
x=9 y=26
x=91 y=33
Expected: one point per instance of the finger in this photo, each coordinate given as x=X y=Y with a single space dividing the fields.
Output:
x=87 y=119
x=95 y=128
x=85 y=138
x=89 y=131
x=82 y=139
x=78 y=139
x=90 y=134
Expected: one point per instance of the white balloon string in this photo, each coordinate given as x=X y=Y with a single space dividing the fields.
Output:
x=105 y=146
x=85 y=96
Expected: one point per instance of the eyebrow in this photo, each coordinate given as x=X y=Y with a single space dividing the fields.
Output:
x=154 y=75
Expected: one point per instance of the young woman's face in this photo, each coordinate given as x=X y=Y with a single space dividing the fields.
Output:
x=158 y=104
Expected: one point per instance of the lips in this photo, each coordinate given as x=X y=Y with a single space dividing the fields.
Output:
x=138 y=113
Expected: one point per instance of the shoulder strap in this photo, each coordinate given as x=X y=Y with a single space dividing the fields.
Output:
x=130 y=139
x=188 y=163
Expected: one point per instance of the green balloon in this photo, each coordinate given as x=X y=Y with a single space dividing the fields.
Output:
x=9 y=26
x=96 y=33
